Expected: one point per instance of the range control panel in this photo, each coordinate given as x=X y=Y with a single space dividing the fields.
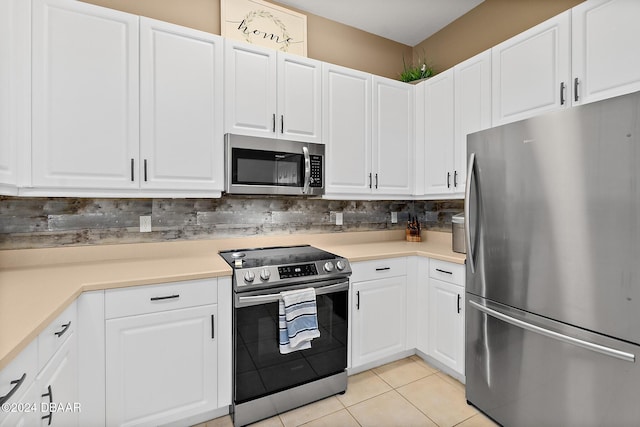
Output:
x=316 y=171
x=300 y=270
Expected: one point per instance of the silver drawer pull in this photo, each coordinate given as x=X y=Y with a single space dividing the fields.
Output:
x=165 y=298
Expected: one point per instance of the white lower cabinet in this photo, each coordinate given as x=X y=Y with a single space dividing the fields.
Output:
x=166 y=353
x=161 y=367
x=40 y=386
x=59 y=403
x=446 y=315
x=378 y=307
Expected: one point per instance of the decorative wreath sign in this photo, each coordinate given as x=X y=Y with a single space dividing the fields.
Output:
x=264 y=24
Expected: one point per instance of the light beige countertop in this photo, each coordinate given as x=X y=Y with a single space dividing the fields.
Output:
x=36 y=285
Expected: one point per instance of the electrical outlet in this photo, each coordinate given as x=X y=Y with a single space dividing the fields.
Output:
x=338 y=218
x=394 y=217
x=145 y=224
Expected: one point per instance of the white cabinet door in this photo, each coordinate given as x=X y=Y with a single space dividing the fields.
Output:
x=250 y=89
x=439 y=133
x=29 y=413
x=161 y=367
x=531 y=71
x=85 y=96
x=379 y=319
x=347 y=130
x=605 y=55
x=446 y=324
x=181 y=144
x=392 y=139
x=15 y=87
x=472 y=109
x=58 y=385
x=299 y=98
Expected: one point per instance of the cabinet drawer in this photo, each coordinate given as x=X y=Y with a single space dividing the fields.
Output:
x=50 y=340
x=378 y=269
x=447 y=271
x=25 y=364
x=154 y=298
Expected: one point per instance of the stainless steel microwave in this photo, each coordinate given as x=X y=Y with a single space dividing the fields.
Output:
x=273 y=166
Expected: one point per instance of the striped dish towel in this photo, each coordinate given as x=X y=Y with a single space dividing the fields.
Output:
x=298 y=320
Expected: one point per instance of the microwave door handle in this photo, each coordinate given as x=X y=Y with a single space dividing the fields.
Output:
x=307 y=170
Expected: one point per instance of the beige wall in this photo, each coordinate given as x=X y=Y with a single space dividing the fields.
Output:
x=328 y=41
x=492 y=22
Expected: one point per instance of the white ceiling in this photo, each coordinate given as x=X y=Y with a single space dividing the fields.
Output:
x=405 y=21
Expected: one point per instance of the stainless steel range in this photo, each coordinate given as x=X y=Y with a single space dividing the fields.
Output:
x=267 y=382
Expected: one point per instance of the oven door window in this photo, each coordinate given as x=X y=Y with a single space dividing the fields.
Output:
x=257 y=167
x=260 y=369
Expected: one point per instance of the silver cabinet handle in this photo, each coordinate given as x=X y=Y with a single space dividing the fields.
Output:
x=467 y=210
x=608 y=351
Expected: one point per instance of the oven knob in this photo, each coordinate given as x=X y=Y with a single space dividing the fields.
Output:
x=340 y=265
x=249 y=276
x=328 y=266
x=265 y=274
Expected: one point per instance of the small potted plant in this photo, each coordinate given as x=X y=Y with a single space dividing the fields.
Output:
x=417 y=71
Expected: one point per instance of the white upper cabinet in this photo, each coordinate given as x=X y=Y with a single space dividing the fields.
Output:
x=299 y=113
x=15 y=89
x=605 y=56
x=250 y=90
x=369 y=132
x=472 y=109
x=272 y=94
x=393 y=137
x=531 y=71
x=124 y=106
x=347 y=129
x=85 y=96
x=439 y=131
x=181 y=108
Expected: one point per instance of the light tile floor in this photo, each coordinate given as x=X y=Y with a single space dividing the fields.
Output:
x=408 y=392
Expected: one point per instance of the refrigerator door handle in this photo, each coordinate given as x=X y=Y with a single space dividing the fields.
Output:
x=608 y=351
x=467 y=211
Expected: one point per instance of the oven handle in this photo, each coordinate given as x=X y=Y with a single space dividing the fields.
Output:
x=264 y=299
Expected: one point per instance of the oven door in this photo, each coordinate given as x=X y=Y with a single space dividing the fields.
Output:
x=260 y=369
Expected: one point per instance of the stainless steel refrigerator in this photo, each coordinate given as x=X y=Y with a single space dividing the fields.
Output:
x=553 y=268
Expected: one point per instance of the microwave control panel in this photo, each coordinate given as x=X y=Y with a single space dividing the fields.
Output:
x=316 y=171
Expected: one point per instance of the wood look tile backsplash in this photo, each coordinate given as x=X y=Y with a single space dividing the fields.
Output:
x=49 y=222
